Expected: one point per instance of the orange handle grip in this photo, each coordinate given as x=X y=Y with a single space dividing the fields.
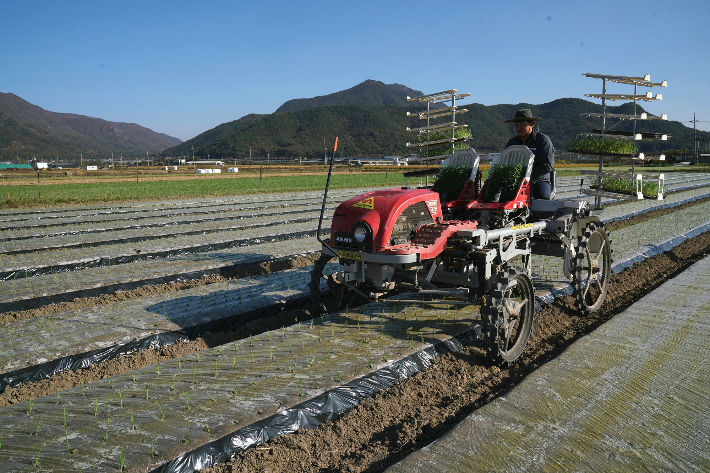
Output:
x=335 y=146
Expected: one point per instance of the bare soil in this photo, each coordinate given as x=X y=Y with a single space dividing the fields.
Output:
x=384 y=429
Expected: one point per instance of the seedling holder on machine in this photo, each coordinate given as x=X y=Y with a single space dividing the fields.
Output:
x=604 y=133
x=475 y=247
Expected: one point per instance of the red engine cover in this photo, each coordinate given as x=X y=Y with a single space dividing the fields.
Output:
x=382 y=210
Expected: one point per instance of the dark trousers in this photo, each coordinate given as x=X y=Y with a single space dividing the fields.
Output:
x=541 y=190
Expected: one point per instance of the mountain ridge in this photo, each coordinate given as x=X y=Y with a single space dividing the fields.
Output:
x=28 y=129
x=369 y=92
x=377 y=130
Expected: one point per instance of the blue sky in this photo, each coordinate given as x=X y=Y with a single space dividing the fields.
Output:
x=184 y=67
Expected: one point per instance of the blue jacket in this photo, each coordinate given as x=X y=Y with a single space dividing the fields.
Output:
x=544 y=152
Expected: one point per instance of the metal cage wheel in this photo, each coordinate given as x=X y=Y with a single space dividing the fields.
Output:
x=316 y=276
x=508 y=314
x=592 y=268
x=342 y=296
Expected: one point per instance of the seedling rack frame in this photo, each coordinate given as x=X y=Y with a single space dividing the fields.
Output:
x=637 y=183
x=438 y=98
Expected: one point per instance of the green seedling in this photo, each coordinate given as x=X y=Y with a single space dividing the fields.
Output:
x=332 y=330
x=421 y=335
x=209 y=396
x=106 y=433
x=179 y=363
x=271 y=355
x=121 y=459
x=1 y=433
x=146 y=392
x=172 y=382
x=120 y=397
x=236 y=347
x=337 y=377
x=234 y=362
x=316 y=382
x=69 y=449
x=198 y=356
x=65 y=417
x=283 y=332
x=95 y=407
x=187 y=433
x=160 y=409
x=31 y=403
x=250 y=343
x=133 y=426
x=82 y=388
x=253 y=360
x=133 y=372
x=109 y=383
x=207 y=428
x=157 y=370
x=57 y=397
x=311 y=323
x=152 y=448
x=39 y=452
x=39 y=424
x=187 y=399
x=384 y=359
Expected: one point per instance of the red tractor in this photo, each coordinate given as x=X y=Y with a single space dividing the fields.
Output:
x=476 y=246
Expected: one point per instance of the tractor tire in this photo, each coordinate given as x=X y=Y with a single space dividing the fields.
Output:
x=508 y=314
x=591 y=271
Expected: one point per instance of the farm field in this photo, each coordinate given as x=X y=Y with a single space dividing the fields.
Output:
x=135 y=333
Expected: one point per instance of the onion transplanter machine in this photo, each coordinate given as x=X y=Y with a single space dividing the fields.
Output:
x=475 y=248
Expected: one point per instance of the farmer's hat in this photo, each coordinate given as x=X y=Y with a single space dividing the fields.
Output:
x=524 y=115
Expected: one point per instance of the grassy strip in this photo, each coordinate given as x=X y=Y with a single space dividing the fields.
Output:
x=29 y=195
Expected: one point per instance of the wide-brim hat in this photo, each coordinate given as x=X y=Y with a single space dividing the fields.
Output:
x=524 y=115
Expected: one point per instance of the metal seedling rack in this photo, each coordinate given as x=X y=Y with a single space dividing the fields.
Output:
x=449 y=111
x=637 y=179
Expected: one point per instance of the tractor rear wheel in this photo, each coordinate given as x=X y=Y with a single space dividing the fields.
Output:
x=592 y=268
x=508 y=314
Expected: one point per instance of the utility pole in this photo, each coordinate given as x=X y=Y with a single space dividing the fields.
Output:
x=695 y=142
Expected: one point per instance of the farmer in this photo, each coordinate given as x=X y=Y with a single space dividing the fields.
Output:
x=542 y=148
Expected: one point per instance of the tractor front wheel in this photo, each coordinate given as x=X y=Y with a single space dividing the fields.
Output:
x=316 y=277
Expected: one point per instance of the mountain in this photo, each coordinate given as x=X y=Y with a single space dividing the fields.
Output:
x=370 y=92
x=220 y=132
x=380 y=130
x=26 y=129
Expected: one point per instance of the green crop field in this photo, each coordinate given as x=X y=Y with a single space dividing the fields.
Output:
x=25 y=189
x=31 y=194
